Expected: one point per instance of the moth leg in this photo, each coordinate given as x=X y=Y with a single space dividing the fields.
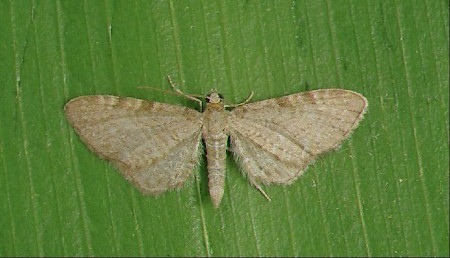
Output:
x=172 y=84
x=242 y=103
x=262 y=191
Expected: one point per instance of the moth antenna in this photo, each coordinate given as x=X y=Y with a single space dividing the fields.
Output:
x=239 y=104
x=195 y=97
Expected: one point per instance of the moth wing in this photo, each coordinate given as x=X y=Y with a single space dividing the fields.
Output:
x=154 y=145
x=275 y=140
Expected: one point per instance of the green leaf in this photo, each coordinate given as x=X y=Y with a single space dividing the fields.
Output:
x=385 y=192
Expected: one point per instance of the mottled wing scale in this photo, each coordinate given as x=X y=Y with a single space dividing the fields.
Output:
x=275 y=140
x=155 y=146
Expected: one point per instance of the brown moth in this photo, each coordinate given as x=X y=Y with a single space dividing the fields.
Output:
x=156 y=146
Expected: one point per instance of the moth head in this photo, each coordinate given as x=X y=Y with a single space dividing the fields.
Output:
x=214 y=97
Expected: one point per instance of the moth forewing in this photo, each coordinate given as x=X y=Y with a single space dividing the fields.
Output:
x=275 y=140
x=154 y=145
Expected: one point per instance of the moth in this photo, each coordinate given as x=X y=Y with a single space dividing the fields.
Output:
x=156 y=146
